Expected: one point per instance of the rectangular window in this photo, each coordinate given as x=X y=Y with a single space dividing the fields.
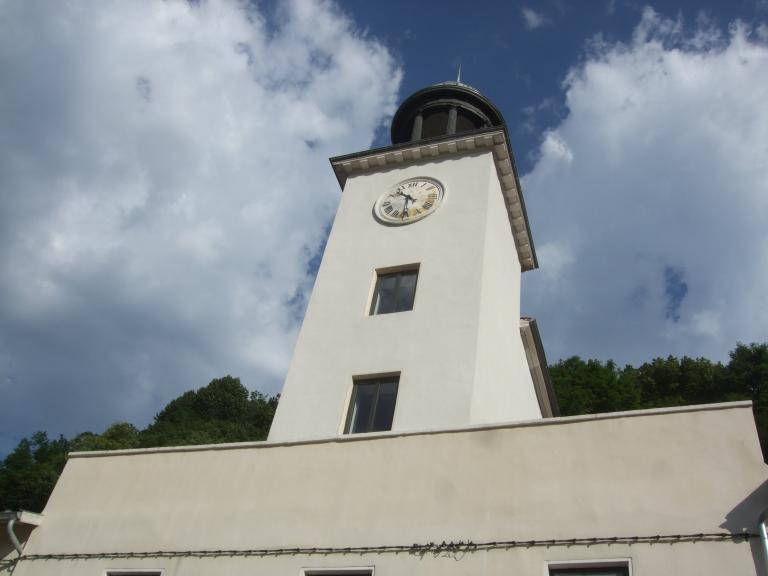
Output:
x=138 y=572
x=338 y=572
x=372 y=405
x=394 y=291
x=586 y=569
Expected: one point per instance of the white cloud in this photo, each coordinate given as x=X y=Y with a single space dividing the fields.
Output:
x=558 y=258
x=706 y=323
x=665 y=171
x=555 y=149
x=163 y=185
x=533 y=19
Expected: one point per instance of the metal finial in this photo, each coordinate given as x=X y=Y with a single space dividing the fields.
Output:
x=458 y=76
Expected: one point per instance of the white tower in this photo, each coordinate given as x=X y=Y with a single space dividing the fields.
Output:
x=414 y=320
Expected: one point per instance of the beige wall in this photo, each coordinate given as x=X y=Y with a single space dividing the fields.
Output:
x=663 y=472
x=458 y=351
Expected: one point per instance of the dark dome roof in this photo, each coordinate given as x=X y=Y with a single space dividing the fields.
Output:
x=445 y=108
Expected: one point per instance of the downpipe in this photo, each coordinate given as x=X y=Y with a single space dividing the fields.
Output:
x=764 y=537
x=17 y=545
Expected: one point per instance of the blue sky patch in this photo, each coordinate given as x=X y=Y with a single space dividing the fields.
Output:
x=675 y=289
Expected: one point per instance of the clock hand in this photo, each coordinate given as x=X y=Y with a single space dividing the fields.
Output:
x=405 y=206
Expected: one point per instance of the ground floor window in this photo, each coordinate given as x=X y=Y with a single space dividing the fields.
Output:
x=338 y=572
x=134 y=573
x=602 y=568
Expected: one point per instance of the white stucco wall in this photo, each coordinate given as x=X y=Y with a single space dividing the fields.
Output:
x=660 y=472
x=503 y=388
x=465 y=312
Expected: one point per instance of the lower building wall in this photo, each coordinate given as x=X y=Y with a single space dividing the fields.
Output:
x=681 y=559
x=673 y=473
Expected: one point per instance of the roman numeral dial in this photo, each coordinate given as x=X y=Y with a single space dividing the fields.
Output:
x=409 y=200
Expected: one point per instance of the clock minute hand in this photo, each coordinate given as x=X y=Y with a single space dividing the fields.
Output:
x=408 y=196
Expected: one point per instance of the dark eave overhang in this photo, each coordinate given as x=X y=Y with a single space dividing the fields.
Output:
x=494 y=139
x=537 y=363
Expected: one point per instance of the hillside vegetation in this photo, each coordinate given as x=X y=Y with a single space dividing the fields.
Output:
x=222 y=411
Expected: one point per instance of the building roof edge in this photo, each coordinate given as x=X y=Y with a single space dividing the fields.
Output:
x=557 y=421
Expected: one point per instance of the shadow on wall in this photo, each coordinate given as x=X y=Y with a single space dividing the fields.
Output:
x=744 y=518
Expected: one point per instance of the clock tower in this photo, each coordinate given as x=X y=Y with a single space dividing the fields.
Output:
x=414 y=321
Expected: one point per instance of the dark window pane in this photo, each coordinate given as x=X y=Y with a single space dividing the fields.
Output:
x=362 y=407
x=466 y=121
x=435 y=123
x=394 y=292
x=385 y=407
x=329 y=573
x=607 y=571
x=373 y=405
x=406 y=289
x=386 y=294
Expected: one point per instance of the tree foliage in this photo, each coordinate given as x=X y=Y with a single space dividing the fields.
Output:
x=223 y=411
x=592 y=386
x=28 y=474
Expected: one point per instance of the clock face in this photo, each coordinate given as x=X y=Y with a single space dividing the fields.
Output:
x=409 y=200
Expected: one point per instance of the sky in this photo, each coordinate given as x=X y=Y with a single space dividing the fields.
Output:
x=165 y=191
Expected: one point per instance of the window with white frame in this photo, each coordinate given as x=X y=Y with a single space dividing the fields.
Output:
x=338 y=572
x=394 y=291
x=372 y=406
x=138 y=572
x=588 y=568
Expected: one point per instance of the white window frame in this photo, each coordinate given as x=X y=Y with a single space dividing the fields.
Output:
x=413 y=267
x=586 y=564
x=350 y=397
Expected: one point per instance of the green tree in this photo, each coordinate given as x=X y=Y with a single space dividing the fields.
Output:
x=28 y=474
x=592 y=386
x=748 y=378
x=223 y=411
x=118 y=436
x=588 y=387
